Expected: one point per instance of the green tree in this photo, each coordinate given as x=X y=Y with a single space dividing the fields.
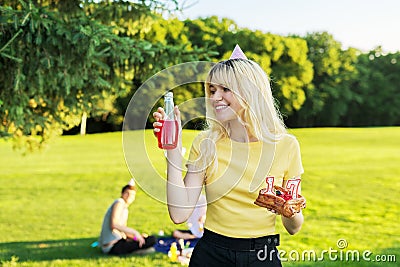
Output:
x=132 y=21
x=58 y=62
x=214 y=32
x=329 y=94
x=283 y=58
x=377 y=87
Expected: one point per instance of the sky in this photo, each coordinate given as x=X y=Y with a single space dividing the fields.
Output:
x=363 y=24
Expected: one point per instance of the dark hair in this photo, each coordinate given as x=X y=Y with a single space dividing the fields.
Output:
x=227 y=66
x=230 y=62
x=128 y=187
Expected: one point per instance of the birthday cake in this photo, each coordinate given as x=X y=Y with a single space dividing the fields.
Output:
x=281 y=201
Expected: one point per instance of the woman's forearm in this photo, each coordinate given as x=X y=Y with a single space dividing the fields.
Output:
x=293 y=224
x=182 y=195
x=176 y=190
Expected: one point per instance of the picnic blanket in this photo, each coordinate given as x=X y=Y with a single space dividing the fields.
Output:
x=163 y=244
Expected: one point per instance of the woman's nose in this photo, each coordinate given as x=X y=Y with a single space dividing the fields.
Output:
x=217 y=95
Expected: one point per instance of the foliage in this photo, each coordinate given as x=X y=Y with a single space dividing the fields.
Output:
x=56 y=69
x=377 y=87
x=329 y=94
x=61 y=60
x=170 y=33
x=283 y=58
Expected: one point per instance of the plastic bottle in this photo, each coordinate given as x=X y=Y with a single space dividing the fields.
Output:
x=168 y=135
x=173 y=252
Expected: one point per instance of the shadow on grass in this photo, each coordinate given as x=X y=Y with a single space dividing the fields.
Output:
x=65 y=249
x=50 y=250
x=80 y=249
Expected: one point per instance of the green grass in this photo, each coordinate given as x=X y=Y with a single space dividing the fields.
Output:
x=52 y=202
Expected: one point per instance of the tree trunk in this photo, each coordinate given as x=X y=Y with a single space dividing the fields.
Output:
x=83 y=123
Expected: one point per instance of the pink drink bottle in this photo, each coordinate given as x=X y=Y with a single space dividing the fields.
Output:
x=168 y=136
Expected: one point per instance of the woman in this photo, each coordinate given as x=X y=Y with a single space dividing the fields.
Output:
x=245 y=144
x=116 y=237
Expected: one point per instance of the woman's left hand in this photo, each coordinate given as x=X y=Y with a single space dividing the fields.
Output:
x=139 y=238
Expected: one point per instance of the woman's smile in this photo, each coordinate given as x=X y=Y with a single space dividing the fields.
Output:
x=220 y=107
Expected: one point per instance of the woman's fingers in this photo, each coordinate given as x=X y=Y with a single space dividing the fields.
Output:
x=157 y=125
x=178 y=115
x=158 y=115
x=271 y=210
x=142 y=241
x=161 y=111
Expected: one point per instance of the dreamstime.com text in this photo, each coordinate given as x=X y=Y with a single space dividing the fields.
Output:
x=332 y=254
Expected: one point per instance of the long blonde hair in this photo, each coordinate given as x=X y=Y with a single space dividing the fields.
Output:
x=251 y=86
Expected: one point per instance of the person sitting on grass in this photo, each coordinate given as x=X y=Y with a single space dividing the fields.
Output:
x=195 y=222
x=116 y=237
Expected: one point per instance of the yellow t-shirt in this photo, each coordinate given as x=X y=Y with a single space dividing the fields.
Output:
x=241 y=172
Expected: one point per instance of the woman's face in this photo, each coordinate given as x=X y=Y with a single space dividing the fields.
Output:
x=225 y=104
x=129 y=196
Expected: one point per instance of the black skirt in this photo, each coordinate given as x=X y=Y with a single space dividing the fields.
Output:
x=218 y=250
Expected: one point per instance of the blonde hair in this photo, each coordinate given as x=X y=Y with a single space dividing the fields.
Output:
x=251 y=86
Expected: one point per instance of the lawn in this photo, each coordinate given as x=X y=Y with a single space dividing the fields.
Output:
x=52 y=202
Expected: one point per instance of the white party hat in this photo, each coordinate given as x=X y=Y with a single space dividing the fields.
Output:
x=237 y=53
x=131 y=182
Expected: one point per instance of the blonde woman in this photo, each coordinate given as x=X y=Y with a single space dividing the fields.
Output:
x=245 y=143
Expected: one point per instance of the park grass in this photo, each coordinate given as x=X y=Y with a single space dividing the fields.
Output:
x=52 y=202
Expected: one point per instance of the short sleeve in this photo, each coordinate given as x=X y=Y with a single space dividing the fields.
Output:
x=194 y=153
x=295 y=165
x=199 y=161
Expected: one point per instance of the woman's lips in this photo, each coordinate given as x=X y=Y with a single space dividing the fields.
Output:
x=221 y=107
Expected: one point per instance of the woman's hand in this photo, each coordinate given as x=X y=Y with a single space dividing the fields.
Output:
x=139 y=238
x=158 y=115
x=135 y=235
x=280 y=206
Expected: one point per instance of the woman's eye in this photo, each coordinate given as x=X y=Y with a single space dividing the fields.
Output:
x=226 y=89
x=212 y=92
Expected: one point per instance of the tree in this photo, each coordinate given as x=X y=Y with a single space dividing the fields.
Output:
x=283 y=58
x=377 y=87
x=330 y=92
x=57 y=63
x=171 y=34
x=213 y=32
